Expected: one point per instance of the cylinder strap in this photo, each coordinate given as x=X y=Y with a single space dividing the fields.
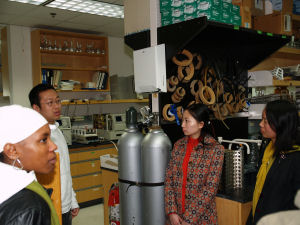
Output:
x=141 y=184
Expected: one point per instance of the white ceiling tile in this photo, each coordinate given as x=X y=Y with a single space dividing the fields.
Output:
x=23 y=14
x=92 y=19
x=44 y=12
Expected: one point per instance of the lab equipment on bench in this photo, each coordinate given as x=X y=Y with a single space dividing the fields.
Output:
x=115 y=126
x=65 y=127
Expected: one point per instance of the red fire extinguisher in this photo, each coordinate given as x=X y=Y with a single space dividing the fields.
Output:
x=113 y=205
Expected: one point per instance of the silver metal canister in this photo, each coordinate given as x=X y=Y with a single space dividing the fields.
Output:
x=156 y=147
x=129 y=146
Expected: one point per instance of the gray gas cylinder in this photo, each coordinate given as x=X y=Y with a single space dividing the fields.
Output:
x=129 y=146
x=156 y=148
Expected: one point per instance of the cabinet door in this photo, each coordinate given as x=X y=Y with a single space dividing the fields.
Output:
x=82 y=168
x=85 y=181
x=89 y=194
x=80 y=155
x=232 y=212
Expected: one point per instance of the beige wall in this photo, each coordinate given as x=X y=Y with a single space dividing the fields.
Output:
x=120 y=57
x=136 y=15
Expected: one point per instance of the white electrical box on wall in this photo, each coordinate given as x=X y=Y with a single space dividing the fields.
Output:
x=150 y=69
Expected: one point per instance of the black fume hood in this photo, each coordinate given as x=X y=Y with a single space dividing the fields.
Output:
x=218 y=41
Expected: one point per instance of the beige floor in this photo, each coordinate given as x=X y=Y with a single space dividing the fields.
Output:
x=90 y=216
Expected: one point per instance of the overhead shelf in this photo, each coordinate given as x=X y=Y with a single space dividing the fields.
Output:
x=286 y=82
x=113 y=101
x=245 y=47
x=294 y=51
x=73 y=68
x=72 y=53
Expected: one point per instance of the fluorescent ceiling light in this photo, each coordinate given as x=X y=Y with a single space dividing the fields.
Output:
x=84 y=6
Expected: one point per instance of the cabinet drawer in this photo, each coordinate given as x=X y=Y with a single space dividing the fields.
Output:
x=87 y=181
x=89 y=194
x=85 y=167
x=92 y=154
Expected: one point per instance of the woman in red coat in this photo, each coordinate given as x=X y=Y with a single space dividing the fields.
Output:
x=193 y=172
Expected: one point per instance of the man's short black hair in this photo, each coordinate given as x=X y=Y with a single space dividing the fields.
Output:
x=34 y=94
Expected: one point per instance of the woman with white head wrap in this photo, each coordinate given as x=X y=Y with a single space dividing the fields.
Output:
x=25 y=148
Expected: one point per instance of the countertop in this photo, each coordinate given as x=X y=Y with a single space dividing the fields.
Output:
x=242 y=195
x=79 y=145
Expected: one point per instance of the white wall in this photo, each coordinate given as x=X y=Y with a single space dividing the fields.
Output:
x=19 y=64
x=120 y=57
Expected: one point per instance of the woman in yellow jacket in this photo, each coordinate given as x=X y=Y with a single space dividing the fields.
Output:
x=278 y=179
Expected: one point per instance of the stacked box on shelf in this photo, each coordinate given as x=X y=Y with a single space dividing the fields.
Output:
x=210 y=8
x=171 y=11
x=190 y=9
x=174 y=11
x=225 y=12
x=236 y=18
x=296 y=7
x=277 y=5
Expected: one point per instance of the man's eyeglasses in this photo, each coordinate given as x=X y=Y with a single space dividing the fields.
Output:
x=51 y=103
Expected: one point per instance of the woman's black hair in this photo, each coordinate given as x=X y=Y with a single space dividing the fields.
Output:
x=200 y=112
x=282 y=117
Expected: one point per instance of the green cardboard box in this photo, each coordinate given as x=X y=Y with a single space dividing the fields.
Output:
x=236 y=20
x=190 y=16
x=176 y=3
x=164 y=5
x=177 y=19
x=165 y=22
x=228 y=1
x=177 y=12
x=166 y=14
x=190 y=8
x=170 y=12
x=225 y=6
x=235 y=9
x=211 y=14
x=205 y=4
x=190 y=1
x=171 y=20
x=225 y=17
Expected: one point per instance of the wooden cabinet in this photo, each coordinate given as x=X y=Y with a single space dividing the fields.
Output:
x=232 y=212
x=77 y=56
x=86 y=172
